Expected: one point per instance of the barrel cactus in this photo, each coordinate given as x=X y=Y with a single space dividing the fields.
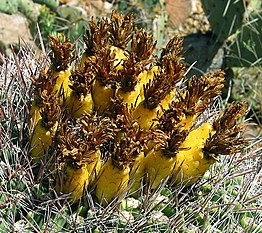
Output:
x=148 y=163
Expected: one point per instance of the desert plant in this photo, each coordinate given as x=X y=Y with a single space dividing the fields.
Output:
x=227 y=197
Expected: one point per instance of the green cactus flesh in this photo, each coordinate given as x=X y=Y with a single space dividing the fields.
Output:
x=224 y=16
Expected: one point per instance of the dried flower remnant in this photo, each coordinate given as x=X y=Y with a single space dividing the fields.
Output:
x=42 y=88
x=60 y=56
x=79 y=153
x=142 y=45
x=227 y=140
x=199 y=95
x=202 y=91
x=95 y=38
x=120 y=30
x=171 y=117
x=174 y=48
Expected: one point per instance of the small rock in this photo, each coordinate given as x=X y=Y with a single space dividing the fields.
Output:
x=178 y=11
x=13 y=30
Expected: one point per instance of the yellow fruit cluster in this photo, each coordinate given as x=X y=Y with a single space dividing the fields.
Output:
x=121 y=117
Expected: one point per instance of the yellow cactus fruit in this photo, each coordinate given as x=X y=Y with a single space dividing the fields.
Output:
x=45 y=128
x=137 y=173
x=207 y=142
x=41 y=140
x=42 y=88
x=145 y=116
x=147 y=75
x=80 y=100
x=129 y=82
x=79 y=105
x=112 y=181
x=94 y=165
x=95 y=132
x=151 y=107
x=191 y=163
x=85 y=60
x=115 y=33
x=118 y=55
x=79 y=142
x=104 y=73
x=132 y=98
x=72 y=179
x=161 y=159
x=102 y=95
x=61 y=69
x=132 y=69
x=159 y=91
x=62 y=82
x=158 y=167
x=34 y=114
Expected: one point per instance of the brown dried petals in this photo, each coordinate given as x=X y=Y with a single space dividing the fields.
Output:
x=142 y=45
x=201 y=92
x=81 y=82
x=170 y=142
x=61 y=52
x=227 y=139
x=121 y=28
x=51 y=110
x=132 y=139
